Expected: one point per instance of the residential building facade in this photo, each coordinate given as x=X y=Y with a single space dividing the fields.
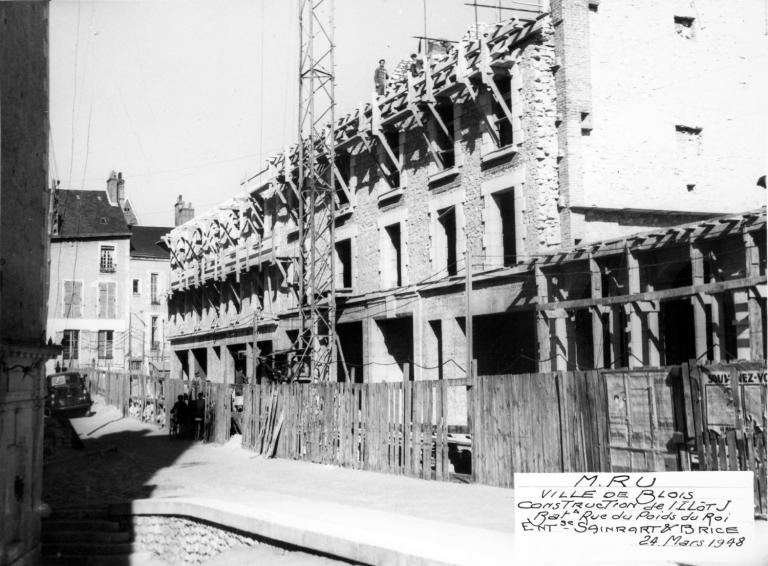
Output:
x=24 y=206
x=89 y=298
x=108 y=279
x=149 y=274
x=536 y=150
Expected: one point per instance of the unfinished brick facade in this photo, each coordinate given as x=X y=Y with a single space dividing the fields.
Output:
x=511 y=154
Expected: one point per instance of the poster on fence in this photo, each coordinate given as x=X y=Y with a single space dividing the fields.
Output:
x=677 y=516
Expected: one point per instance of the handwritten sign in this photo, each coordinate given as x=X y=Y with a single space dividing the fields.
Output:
x=711 y=511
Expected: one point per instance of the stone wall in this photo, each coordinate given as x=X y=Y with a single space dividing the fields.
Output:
x=182 y=540
x=23 y=273
x=658 y=101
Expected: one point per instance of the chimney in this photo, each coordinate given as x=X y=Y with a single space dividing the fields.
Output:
x=120 y=189
x=112 y=188
x=183 y=212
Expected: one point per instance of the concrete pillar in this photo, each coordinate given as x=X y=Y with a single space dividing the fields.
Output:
x=419 y=333
x=617 y=333
x=559 y=347
x=433 y=348
x=250 y=367
x=754 y=307
x=596 y=292
x=214 y=372
x=653 y=340
x=176 y=365
x=454 y=348
x=634 y=320
x=719 y=322
x=191 y=364
x=227 y=365
x=543 y=331
x=742 y=324
x=697 y=301
x=368 y=340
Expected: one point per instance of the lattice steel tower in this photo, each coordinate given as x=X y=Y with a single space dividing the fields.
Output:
x=316 y=341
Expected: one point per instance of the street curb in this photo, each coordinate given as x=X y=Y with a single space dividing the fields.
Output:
x=367 y=547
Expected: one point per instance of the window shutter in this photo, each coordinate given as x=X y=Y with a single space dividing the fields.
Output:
x=102 y=300
x=77 y=299
x=67 y=298
x=111 y=300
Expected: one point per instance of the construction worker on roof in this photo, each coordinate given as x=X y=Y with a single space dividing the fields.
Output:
x=380 y=78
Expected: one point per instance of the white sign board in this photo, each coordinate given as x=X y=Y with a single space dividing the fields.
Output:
x=655 y=514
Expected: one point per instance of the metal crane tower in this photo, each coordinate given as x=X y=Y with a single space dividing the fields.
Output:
x=316 y=340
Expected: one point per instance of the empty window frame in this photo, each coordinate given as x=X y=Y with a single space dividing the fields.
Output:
x=392 y=257
x=107 y=259
x=136 y=287
x=505 y=203
x=106 y=344
x=500 y=120
x=344 y=171
x=393 y=141
x=154 y=292
x=443 y=141
x=73 y=299
x=107 y=305
x=445 y=251
x=70 y=344
x=344 y=263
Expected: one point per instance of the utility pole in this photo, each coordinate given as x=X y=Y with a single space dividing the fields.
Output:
x=316 y=340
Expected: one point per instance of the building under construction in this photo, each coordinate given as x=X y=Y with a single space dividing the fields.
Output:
x=582 y=204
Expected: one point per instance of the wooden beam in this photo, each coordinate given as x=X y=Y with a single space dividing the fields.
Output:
x=687 y=291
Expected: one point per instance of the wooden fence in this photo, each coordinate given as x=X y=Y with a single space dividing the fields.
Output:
x=550 y=422
x=132 y=393
x=398 y=428
x=681 y=418
x=726 y=416
x=218 y=405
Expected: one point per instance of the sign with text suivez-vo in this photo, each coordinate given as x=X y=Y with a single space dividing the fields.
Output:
x=670 y=514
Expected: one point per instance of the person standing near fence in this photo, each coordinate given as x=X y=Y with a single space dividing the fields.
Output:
x=199 y=416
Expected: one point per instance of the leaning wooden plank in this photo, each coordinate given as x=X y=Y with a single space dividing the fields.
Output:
x=275 y=435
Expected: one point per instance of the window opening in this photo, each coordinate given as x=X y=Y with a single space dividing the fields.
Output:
x=444 y=141
x=503 y=127
x=394 y=265
x=447 y=220
x=105 y=344
x=344 y=263
x=393 y=140
x=107 y=261
x=506 y=204
x=70 y=344
x=153 y=288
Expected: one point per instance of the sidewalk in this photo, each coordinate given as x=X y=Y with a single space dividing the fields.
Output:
x=354 y=514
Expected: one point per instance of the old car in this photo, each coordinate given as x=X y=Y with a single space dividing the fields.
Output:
x=67 y=394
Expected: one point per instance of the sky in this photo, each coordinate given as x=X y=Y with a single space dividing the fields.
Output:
x=189 y=97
